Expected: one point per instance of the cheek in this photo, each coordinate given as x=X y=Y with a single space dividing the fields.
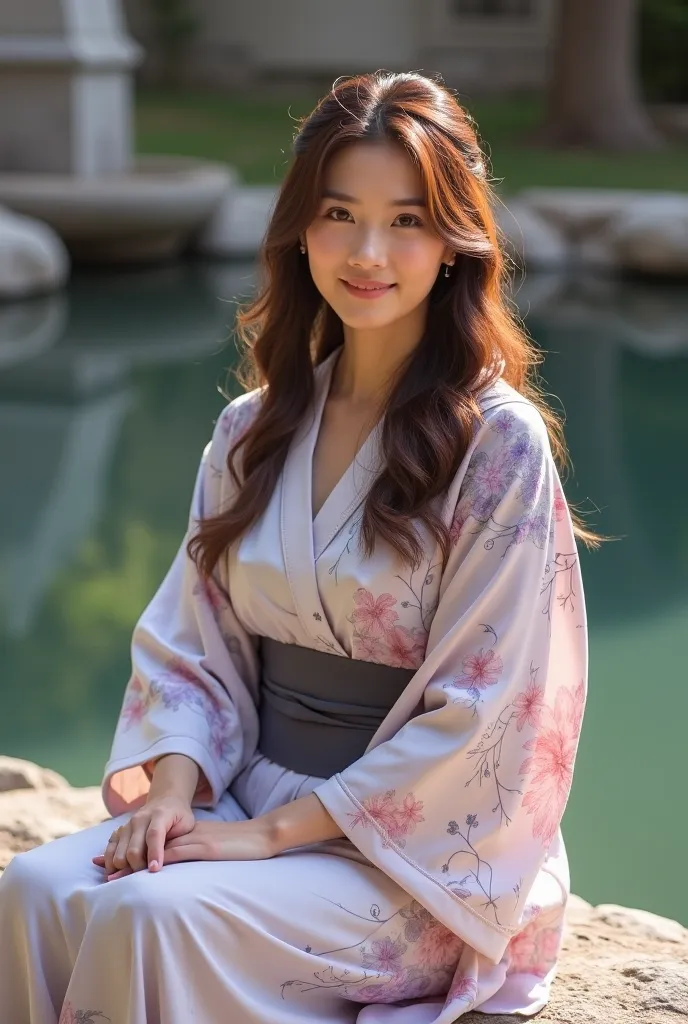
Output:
x=325 y=245
x=418 y=257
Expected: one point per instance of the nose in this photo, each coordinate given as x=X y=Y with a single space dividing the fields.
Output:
x=369 y=250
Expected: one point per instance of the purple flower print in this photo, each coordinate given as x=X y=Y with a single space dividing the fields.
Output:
x=71 y=1016
x=176 y=688
x=463 y=989
x=384 y=955
x=489 y=477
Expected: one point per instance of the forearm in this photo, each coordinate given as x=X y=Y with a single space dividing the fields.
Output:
x=300 y=823
x=174 y=774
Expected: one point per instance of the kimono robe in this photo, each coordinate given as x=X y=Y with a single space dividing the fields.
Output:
x=448 y=891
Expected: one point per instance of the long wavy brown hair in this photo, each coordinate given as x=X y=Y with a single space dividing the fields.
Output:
x=472 y=333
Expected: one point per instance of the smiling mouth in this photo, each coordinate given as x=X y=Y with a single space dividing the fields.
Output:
x=367 y=289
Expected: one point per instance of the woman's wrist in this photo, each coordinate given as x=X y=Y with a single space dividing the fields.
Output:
x=299 y=823
x=174 y=775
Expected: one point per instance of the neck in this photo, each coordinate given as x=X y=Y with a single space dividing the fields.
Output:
x=371 y=358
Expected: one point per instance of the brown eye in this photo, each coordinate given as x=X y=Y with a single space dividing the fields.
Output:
x=335 y=210
x=415 y=222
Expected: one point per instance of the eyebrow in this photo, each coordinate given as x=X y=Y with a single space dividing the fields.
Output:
x=331 y=193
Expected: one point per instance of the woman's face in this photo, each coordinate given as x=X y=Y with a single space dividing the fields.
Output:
x=371 y=249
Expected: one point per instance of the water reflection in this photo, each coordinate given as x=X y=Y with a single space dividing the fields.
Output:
x=107 y=398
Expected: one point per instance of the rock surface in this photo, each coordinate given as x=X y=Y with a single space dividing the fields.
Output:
x=531 y=241
x=615 y=230
x=237 y=225
x=619 y=965
x=33 y=259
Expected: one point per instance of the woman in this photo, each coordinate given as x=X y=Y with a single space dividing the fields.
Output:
x=348 y=739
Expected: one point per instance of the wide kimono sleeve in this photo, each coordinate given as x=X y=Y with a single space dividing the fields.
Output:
x=194 y=670
x=461 y=805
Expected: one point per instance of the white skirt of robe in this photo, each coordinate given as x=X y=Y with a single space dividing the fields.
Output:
x=316 y=934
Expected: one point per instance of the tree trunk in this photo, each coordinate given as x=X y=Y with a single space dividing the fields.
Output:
x=594 y=93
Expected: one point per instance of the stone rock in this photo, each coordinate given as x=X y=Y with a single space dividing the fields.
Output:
x=641 y=922
x=616 y=230
x=29 y=817
x=531 y=241
x=18 y=774
x=618 y=965
x=652 y=237
x=238 y=223
x=580 y=211
x=33 y=258
x=661 y=985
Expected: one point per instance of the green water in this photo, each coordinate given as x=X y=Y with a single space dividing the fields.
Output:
x=107 y=398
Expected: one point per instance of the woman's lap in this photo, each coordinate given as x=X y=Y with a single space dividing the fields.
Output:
x=303 y=933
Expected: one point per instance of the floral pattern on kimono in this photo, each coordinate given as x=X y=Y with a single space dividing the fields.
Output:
x=459 y=796
x=503 y=707
x=71 y=1016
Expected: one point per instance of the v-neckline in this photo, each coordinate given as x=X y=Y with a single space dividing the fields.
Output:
x=363 y=462
x=360 y=454
x=305 y=537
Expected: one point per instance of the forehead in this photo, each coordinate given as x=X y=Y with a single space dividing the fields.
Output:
x=373 y=170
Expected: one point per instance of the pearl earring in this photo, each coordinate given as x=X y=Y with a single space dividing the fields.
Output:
x=446 y=270
x=302 y=247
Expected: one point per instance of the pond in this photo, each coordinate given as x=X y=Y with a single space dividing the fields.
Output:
x=108 y=393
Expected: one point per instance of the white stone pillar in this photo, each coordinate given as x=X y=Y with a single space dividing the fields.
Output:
x=65 y=87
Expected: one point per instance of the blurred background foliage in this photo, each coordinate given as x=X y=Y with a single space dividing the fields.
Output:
x=664 y=50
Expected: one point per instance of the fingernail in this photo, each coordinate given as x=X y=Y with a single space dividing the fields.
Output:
x=154 y=865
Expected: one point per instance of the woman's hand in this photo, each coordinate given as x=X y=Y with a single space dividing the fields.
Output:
x=140 y=842
x=223 y=840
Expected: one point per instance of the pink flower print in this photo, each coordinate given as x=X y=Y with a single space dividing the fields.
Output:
x=480 y=670
x=367 y=648
x=176 y=666
x=437 y=946
x=408 y=815
x=458 y=523
x=405 y=647
x=560 y=506
x=534 y=951
x=210 y=591
x=551 y=763
x=396 y=820
x=136 y=703
x=522 y=950
x=528 y=706
x=373 y=617
x=550 y=943
x=463 y=989
x=381 y=809
x=385 y=955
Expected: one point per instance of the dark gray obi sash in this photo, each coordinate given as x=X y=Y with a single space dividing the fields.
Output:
x=319 y=711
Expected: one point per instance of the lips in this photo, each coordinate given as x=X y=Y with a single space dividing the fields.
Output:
x=364 y=289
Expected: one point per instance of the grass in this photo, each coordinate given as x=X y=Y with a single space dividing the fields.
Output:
x=254 y=134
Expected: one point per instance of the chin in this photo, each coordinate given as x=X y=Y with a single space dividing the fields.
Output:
x=365 y=319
